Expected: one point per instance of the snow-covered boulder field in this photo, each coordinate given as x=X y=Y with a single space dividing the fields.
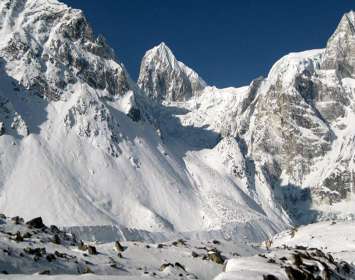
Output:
x=32 y=248
x=324 y=250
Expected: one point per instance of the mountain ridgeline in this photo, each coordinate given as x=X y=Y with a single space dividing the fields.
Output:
x=83 y=144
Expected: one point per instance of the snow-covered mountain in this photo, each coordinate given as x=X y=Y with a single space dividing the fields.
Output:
x=292 y=130
x=82 y=144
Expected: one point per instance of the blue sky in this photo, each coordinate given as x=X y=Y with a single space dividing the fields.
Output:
x=228 y=43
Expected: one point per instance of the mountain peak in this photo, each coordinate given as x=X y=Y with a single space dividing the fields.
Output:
x=340 y=51
x=49 y=35
x=162 y=53
x=163 y=77
x=163 y=45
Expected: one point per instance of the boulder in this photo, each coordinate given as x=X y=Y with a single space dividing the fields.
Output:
x=92 y=250
x=216 y=257
x=119 y=247
x=36 y=223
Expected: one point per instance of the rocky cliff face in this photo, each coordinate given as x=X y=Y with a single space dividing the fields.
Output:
x=303 y=113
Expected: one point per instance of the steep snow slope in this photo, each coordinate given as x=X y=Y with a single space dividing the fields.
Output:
x=82 y=145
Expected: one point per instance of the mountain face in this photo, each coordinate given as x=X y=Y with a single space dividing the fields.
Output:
x=162 y=77
x=293 y=128
x=82 y=144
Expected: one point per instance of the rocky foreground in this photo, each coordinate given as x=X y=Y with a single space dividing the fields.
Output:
x=31 y=250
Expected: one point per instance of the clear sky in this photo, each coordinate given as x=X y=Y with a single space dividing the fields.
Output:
x=228 y=43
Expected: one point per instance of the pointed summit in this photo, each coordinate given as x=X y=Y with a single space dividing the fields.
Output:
x=163 y=77
x=340 y=51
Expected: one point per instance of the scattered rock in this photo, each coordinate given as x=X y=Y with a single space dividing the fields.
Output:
x=299 y=247
x=295 y=274
x=54 y=229
x=293 y=232
x=165 y=265
x=39 y=252
x=87 y=270
x=56 y=239
x=216 y=242
x=296 y=259
x=27 y=235
x=59 y=255
x=268 y=244
x=179 y=265
x=50 y=257
x=17 y=220
x=194 y=254
x=345 y=267
x=179 y=242
x=18 y=237
x=44 y=272
x=270 y=277
x=82 y=246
